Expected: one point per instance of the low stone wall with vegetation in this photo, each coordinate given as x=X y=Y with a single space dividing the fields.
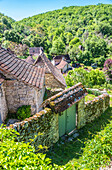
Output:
x=88 y=111
x=42 y=127
x=96 y=107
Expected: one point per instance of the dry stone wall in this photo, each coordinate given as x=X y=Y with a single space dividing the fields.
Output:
x=44 y=122
x=43 y=127
x=81 y=114
x=92 y=109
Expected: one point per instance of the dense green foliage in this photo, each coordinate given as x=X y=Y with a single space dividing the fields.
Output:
x=19 y=155
x=23 y=112
x=85 y=33
x=98 y=151
x=93 y=78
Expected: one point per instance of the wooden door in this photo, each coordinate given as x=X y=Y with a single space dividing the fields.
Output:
x=67 y=120
x=62 y=123
x=71 y=118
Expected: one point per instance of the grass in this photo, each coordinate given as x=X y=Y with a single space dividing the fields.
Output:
x=69 y=152
x=89 y=97
x=109 y=92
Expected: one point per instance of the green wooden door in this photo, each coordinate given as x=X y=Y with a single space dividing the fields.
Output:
x=62 y=123
x=67 y=120
x=71 y=118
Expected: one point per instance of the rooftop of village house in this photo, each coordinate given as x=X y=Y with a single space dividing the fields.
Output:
x=49 y=66
x=20 y=69
x=30 y=60
x=66 y=98
x=35 y=50
x=62 y=64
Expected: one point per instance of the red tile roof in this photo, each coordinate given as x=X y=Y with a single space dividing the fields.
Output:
x=21 y=70
x=62 y=64
x=30 y=60
x=51 y=68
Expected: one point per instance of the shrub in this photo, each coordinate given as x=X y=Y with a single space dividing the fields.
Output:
x=23 y=112
x=98 y=151
x=19 y=155
x=87 y=78
x=96 y=93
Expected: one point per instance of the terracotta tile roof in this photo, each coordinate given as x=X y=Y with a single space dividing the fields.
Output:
x=21 y=70
x=52 y=69
x=30 y=60
x=62 y=64
x=63 y=100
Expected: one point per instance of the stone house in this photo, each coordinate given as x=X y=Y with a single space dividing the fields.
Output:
x=34 y=51
x=53 y=77
x=20 y=84
x=57 y=59
x=63 y=66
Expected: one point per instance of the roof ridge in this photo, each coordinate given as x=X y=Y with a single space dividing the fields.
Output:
x=53 y=69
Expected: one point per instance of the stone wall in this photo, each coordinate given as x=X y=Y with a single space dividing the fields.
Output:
x=51 y=82
x=3 y=104
x=44 y=122
x=18 y=94
x=92 y=109
x=81 y=113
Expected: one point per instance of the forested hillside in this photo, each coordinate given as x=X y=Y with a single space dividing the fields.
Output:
x=85 y=33
x=5 y=24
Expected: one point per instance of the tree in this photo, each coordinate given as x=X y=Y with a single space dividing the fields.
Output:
x=58 y=47
x=96 y=46
x=12 y=36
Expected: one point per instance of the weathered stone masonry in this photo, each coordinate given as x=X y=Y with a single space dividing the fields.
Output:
x=3 y=104
x=52 y=83
x=90 y=110
x=18 y=94
x=44 y=122
x=21 y=84
x=47 y=121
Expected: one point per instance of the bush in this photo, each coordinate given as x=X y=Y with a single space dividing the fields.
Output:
x=87 y=78
x=96 y=93
x=98 y=151
x=23 y=112
x=19 y=155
